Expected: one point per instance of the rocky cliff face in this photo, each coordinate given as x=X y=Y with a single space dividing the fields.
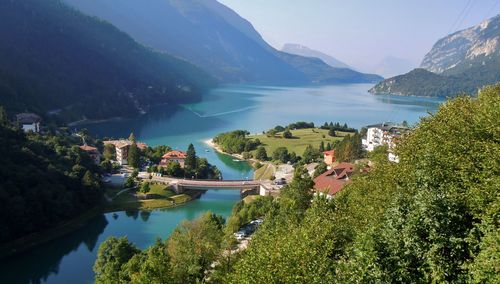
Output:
x=461 y=48
x=461 y=62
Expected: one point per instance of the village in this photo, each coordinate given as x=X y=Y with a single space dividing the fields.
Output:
x=140 y=177
x=328 y=183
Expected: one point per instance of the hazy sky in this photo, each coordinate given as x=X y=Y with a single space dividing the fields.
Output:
x=361 y=33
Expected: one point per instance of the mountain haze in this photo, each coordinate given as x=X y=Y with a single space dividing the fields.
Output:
x=53 y=58
x=211 y=36
x=302 y=50
x=461 y=62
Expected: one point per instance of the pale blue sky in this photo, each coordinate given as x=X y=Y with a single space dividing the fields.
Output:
x=361 y=33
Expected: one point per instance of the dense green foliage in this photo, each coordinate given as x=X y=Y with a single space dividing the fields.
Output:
x=44 y=180
x=337 y=127
x=431 y=218
x=83 y=67
x=236 y=142
x=183 y=258
x=349 y=149
x=194 y=166
x=420 y=82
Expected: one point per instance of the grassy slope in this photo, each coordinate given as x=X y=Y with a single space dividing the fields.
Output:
x=301 y=138
x=264 y=172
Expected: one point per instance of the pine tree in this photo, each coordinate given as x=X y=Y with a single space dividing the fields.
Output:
x=322 y=146
x=131 y=137
x=190 y=162
x=329 y=146
x=133 y=156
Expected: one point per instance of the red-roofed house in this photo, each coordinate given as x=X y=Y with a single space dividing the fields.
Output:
x=173 y=156
x=333 y=180
x=93 y=153
x=329 y=157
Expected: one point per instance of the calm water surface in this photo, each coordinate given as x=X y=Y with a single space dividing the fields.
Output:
x=69 y=259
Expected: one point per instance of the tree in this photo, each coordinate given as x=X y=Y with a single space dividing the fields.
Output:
x=328 y=146
x=4 y=118
x=332 y=132
x=310 y=154
x=320 y=168
x=261 y=153
x=131 y=138
x=109 y=152
x=133 y=156
x=287 y=134
x=89 y=180
x=193 y=246
x=190 y=161
x=112 y=255
x=174 y=169
x=281 y=154
x=145 y=187
x=271 y=132
x=322 y=147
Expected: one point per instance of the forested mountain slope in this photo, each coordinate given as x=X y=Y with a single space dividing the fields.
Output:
x=54 y=58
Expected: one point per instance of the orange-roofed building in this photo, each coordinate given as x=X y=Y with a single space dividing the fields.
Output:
x=332 y=181
x=93 y=153
x=329 y=157
x=173 y=156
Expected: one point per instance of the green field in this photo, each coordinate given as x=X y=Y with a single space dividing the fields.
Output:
x=265 y=172
x=301 y=138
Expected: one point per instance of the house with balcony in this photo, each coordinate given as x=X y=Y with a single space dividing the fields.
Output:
x=29 y=122
x=121 y=148
x=384 y=134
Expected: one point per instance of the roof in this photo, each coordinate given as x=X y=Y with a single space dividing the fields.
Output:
x=329 y=153
x=389 y=126
x=174 y=154
x=90 y=149
x=124 y=143
x=28 y=118
x=334 y=180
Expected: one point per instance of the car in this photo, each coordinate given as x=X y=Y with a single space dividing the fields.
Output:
x=240 y=235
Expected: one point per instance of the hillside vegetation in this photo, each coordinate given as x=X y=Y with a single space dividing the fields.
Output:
x=44 y=180
x=432 y=218
x=53 y=58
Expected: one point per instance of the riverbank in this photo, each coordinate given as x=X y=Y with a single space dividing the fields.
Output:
x=35 y=239
x=38 y=238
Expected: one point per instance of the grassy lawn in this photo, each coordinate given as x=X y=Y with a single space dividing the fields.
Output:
x=265 y=172
x=159 y=197
x=301 y=138
x=160 y=189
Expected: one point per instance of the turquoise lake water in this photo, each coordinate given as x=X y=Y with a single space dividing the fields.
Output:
x=69 y=259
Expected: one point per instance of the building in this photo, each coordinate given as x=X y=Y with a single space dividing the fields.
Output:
x=382 y=134
x=121 y=149
x=332 y=181
x=93 y=153
x=174 y=156
x=329 y=157
x=29 y=122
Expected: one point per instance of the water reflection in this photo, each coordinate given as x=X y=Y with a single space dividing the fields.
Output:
x=35 y=266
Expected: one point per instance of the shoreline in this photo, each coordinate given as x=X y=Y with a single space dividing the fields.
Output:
x=210 y=142
x=35 y=239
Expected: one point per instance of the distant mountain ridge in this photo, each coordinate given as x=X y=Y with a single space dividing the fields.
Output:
x=302 y=50
x=55 y=59
x=213 y=37
x=461 y=62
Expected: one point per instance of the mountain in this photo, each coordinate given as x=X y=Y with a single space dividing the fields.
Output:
x=55 y=59
x=305 y=51
x=391 y=66
x=209 y=35
x=317 y=71
x=461 y=62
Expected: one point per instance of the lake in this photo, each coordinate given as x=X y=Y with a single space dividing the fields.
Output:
x=69 y=259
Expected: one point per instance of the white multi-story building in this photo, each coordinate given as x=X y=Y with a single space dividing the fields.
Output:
x=383 y=134
x=121 y=148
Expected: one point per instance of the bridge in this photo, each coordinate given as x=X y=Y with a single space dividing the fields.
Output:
x=180 y=185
